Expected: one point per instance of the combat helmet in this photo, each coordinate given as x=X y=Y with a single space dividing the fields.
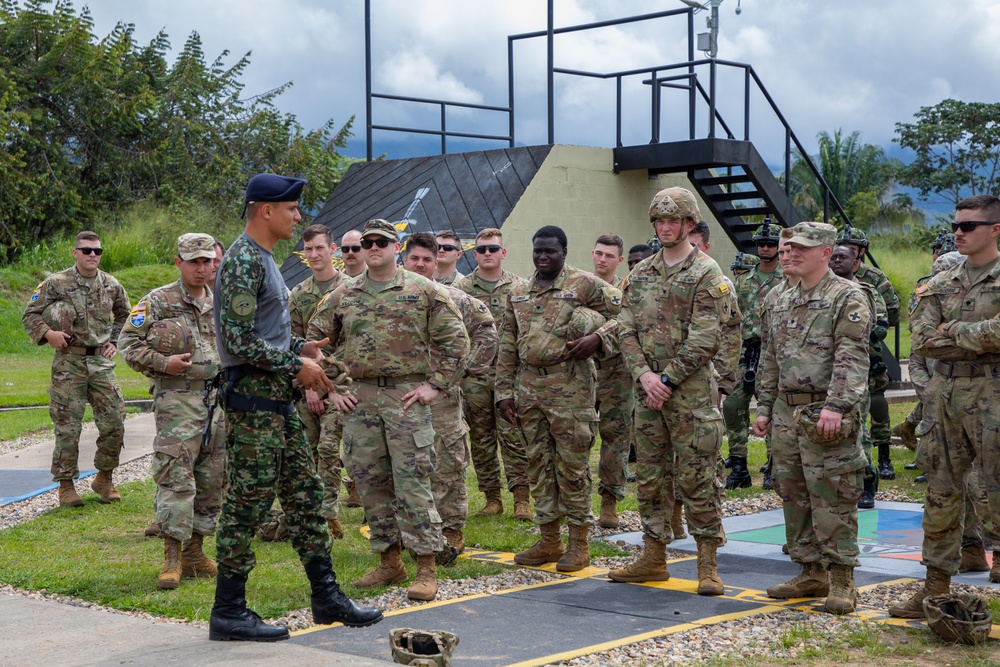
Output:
x=939 y=239
x=959 y=617
x=768 y=232
x=582 y=322
x=852 y=236
x=744 y=262
x=427 y=648
x=170 y=337
x=947 y=244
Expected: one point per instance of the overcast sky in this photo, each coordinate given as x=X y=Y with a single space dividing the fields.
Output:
x=852 y=64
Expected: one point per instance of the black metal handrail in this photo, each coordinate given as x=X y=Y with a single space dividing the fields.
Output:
x=443 y=132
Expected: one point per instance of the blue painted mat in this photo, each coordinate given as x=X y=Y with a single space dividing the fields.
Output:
x=16 y=485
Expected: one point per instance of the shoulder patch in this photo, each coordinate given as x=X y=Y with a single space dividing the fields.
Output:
x=616 y=300
x=482 y=307
x=854 y=316
x=138 y=314
x=38 y=291
x=242 y=306
x=923 y=288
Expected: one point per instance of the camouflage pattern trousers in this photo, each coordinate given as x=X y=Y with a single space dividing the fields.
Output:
x=488 y=431
x=963 y=415
x=977 y=515
x=736 y=413
x=819 y=485
x=679 y=447
x=615 y=402
x=390 y=454
x=557 y=418
x=452 y=454
x=188 y=477
x=76 y=381
x=267 y=456
x=323 y=433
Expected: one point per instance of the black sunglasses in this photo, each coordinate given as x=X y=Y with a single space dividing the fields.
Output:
x=767 y=244
x=91 y=251
x=381 y=243
x=350 y=248
x=483 y=249
x=447 y=246
x=970 y=225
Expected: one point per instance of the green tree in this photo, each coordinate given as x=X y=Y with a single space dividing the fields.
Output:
x=957 y=146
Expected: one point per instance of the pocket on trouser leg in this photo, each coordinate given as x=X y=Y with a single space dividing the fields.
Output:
x=423 y=452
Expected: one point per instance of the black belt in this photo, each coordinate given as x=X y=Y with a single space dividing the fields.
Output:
x=804 y=398
x=258 y=404
x=82 y=351
x=964 y=369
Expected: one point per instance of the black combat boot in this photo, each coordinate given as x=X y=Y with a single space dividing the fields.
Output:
x=232 y=620
x=885 y=469
x=739 y=478
x=329 y=604
x=867 y=500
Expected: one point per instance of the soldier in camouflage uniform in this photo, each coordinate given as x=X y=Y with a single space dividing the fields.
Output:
x=743 y=263
x=674 y=305
x=322 y=422
x=813 y=376
x=267 y=453
x=751 y=288
x=450 y=444
x=551 y=396
x=881 y=428
x=403 y=340
x=955 y=328
x=170 y=338
x=79 y=312
x=449 y=252
x=488 y=432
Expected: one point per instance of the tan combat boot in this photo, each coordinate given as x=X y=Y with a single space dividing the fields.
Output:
x=170 y=576
x=906 y=432
x=522 y=505
x=812 y=582
x=651 y=565
x=549 y=549
x=353 y=498
x=709 y=582
x=843 y=594
x=103 y=486
x=995 y=570
x=194 y=562
x=336 y=529
x=973 y=559
x=677 y=521
x=609 y=511
x=68 y=497
x=152 y=530
x=425 y=585
x=577 y=554
x=389 y=571
x=937 y=583
x=494 y=504
x=455 y=538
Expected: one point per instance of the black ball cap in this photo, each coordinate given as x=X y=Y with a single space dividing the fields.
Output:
x=271 y=187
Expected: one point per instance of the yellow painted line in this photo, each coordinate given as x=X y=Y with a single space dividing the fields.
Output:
x=891 y=582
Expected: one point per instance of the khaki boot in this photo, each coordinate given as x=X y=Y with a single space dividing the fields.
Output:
x=494 y=504
x=455 y=538
x=152 y=530
x=103 y=486
x=677 y=521
x=425 y=584
x=709 y=582
x=68 y=497
x=609 y=511
x=336 y=529
x=843 y=594
x=194 y=563
x=577 y=554
x=549 y=549
x=906 y=432
x=389 y=571
x=651 y=565
x=973 y=559
x=522 y=505
x=937 y=583
x=170 y=576
x=812 y=582
x=995 y=570
x=353 y=498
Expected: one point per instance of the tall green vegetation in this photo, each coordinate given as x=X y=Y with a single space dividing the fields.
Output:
x=91 y=126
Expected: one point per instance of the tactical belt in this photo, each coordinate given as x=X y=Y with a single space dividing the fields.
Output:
x=805 y=398
x=233 y=401
x=964 y=369
x=554 y=369
x=181 y=383
x=83 y=351
x=656 y=365
x=393 y=380
x=608 y=364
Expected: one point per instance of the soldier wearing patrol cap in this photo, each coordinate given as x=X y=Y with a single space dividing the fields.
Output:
x=79 y=312
x=170 y=338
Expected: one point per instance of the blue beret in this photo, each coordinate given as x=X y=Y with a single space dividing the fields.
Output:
x=271 y=187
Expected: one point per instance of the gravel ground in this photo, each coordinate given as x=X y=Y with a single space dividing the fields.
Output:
x=9 y=446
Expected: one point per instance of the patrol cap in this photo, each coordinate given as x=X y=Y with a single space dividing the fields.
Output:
x=812 y=234
x=674 y=203
x=271 y=187
x=380 y=227
x=193 y=246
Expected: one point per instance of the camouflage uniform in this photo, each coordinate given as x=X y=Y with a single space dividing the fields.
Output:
x=188 y=474
x=615 y=404
x=267 y=452
x=554 y=396
x=877 y=381
x=880 y=283
x=322 y=431
x=669 y=324
x=393 y=339
x=814 y=355
x=960 y=405
x=93 y=315
x=487 y=429
x=450 y=279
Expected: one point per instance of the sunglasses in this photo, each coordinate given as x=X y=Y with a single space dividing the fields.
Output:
x=767 y=244
x=483 y=249
x=381 y=243
x=350 y=248
x=91 y=251
x=448 y=247
x=970 y=225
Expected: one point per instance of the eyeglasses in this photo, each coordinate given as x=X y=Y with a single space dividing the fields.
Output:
x=350 y=248
x=483 y=249
x=969 y=225
x=91 y=251
x=767 y=244
x=448 y=247
x=381 y=243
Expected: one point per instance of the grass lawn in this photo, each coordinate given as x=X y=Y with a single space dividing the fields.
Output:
x=25 y=378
